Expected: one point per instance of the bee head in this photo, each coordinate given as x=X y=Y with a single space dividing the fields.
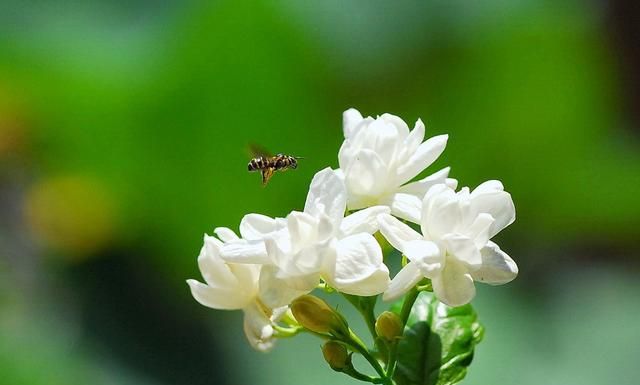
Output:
x=294 y=163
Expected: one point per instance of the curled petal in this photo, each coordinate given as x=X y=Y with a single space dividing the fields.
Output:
x=454 y=286
x=426 y=154
x=222 y=298
x=363 y=221
x=490 y=198
x=420 y=187
x=426 y=255
x=258 y=328
x=358 y=267
x=350 y=120
x=406 y=278
x=401 y=128
x=225 y=234
x=245 y=252
x=328 y=195
x=212 y=267
x=480 y=229
x=405 y=206
x=396 y=232
x=257 y=226
x=497 y=267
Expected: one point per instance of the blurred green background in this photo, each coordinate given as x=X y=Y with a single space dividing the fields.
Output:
x=124 y=128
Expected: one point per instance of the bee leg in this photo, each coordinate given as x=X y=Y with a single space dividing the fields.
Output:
x=267 y=173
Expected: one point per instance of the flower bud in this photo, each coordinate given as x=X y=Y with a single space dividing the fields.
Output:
x=389 y=326
x=336 y=355
x=317 y=316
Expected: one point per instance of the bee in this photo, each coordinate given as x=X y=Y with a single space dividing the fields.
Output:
x=268 y=164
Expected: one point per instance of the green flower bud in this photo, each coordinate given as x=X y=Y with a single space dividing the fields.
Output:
x=336 y=355
x=389 y=326
x=317 y=316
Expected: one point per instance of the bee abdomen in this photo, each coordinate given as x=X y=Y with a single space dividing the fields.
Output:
x=256 y=164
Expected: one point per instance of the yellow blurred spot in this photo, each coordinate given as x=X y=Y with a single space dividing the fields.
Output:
x=71 y=214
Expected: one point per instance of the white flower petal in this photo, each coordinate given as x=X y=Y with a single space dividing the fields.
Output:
x=214 y=270
x=497 y=267
x=406 y=278
x=257 y=226
x=383 y=137
x=358 y=269
x=303 y=229
x=306 y=263
x=454 y=286
x=225 y=234
x=396 y=232
x=490 y=198
x=273 y=291
x=346 y=153
x=441 y=213
x=420 y=187
x=328 y=195
x=401 y=128
x=479 y=229
x=413 y=140
x=350 y=120
x=362 y=221
x=222 y=298
x=367 y=175
x=426 y=154
x=245 y=252
x=405 y=206
x=463 y=249
x=425 y=254
x=257 y=327
x=489 y=186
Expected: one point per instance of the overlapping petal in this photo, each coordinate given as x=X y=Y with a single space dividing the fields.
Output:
x=454 y=286
x=358 y=268
x=380 y=155
x=497 y=267
x=454 y=248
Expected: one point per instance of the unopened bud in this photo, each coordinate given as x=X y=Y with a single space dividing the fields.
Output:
x=389 y=326
x=336 y=355
x=317 y=316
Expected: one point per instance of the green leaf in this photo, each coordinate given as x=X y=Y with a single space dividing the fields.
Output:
x=438 y=342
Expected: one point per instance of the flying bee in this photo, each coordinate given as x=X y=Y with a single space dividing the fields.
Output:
x=268 y=164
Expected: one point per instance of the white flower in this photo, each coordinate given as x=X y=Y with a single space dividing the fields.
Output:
x=319 y=242
x=379 y=156
x=454 y=249
x=251 y=288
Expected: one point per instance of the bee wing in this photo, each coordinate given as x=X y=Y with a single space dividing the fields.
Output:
x=267 y=173
x=256 y=151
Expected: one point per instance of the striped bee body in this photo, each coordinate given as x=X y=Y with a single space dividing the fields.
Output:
x=269 y=164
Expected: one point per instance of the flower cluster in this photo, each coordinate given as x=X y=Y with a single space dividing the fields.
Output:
x=331 y=242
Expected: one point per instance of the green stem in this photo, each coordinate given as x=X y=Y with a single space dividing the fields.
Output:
x=409 y=300
x=370 y=320
x=352 y=372
x=357 y=345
